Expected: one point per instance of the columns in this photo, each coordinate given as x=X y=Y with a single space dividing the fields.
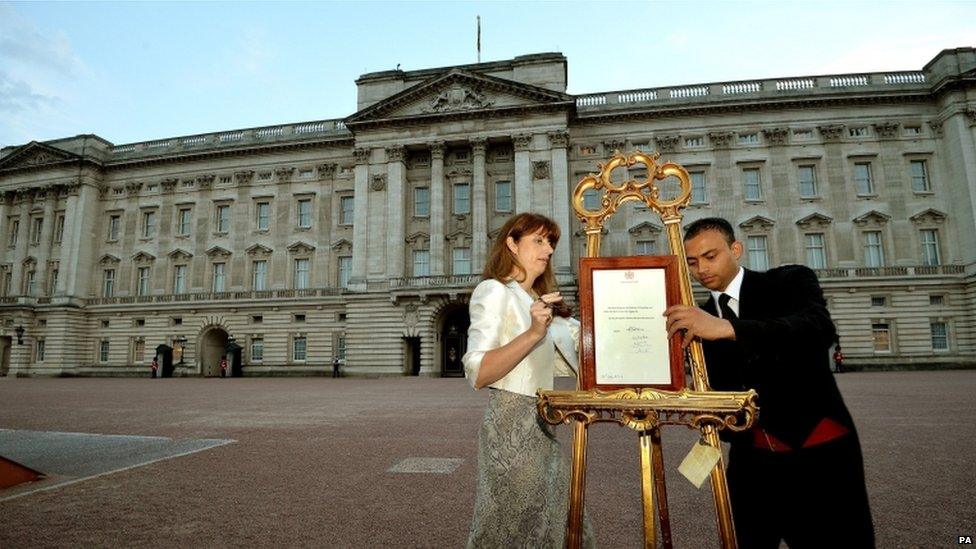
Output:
x=558 y=141
x=523 y=173
x=47 y=233
x=22 y=205
x=361 y=222
x=395 y=232
x=479 y=200
x=78 y=255
x=437 y=208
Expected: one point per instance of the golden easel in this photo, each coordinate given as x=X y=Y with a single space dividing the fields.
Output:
x=643 y=409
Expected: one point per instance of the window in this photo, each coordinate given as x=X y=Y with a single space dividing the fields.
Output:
x=421 y=201
x=259 y=275
x=179 y=279
x=14 y=229
x=940 y=336
x=802 y=135
x=262 y=213
x=59 y=228
x=345 y=270
x=873 y=251
x=879 y=301
x=816 y=256
x=421 y=263
x=177 y=321
x=808 y=181
x=341 y=347
x=142 y=284
x=751 y=184
x=8 y=278
x=305 y=213
x=257 y=349
x=183 y=222
x=105 y=323
x=225 y=179
x=37 y=225
x=108 y=283
x=264 y=176
x=462 y=261
x=299 y=317
x=591 y=200
x=920 y=176
x=53 y=282
x=503 y=196
x=223 y=218
x=749 y=138
x=298 y=349
x=140 y=322
x=462 y=198
x=148 y=225
x=758 y=256
x=881 y=335
x=218 y=276
x=301 y=273
x=31 y=283
x=862 y=178
x=912 y=131
x=644 y=247
x=114 y=224
x=937 y=300
x=858 y=132
x=930 y=247
x=305 y=173
x=39 y=352
x=348 y=210
x=103 y=350
x=698 y=194
x=694 y=142
x=138 y=350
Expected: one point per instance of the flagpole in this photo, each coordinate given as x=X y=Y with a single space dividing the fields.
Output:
x=479 y=39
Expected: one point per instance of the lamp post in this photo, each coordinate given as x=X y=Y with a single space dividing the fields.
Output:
x=19 y=330
x=181 y=341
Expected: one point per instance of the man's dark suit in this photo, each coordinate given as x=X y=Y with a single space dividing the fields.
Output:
x=807 y=496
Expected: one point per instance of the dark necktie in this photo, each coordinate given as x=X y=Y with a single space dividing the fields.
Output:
x=723 y=304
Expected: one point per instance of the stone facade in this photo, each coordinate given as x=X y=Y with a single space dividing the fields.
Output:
x=283 y=247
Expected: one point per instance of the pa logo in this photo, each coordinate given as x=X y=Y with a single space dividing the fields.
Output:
x=964 y=540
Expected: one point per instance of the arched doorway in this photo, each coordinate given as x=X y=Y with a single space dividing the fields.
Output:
x=454 y=341
x=213 y=344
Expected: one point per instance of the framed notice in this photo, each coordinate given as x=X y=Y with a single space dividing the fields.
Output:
x=623 y=328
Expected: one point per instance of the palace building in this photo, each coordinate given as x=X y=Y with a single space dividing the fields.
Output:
x=283 y=247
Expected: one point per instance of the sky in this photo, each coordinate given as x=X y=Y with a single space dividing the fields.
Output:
x=140 y=71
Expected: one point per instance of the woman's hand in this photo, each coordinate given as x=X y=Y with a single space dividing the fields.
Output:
x=541 y=312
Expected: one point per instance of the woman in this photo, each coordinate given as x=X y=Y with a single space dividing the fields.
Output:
x=518 y=340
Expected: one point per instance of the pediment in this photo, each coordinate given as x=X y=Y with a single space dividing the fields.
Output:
x=143 y=257
x=418 y=236
x=301 y=248
x=36 y=154
x=179 y=254
x=645 y=226
x=342 y=243
x=258 y=249
x=815 y=220
x=217 y=251
x=928 y=215
x=458 y=92
x=872 y=217
x=109 y=259
x=757 y=222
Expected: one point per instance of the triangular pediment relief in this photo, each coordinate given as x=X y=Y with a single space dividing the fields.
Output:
x=179 y=255
x=341 y=244
x=142 y=257
x=301 y=248
x=29 y=262
x=418 y=237
x=458 y=237
x=814 y=220
x=217 y=251
x=458 y=91
x=258 y=249
x=36 y=154
x=929 y=215
x=646 y=226
x=757 y=222
x=873 y=217
x=109 y=259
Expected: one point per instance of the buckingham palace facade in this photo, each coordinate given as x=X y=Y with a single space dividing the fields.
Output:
x=281 y=248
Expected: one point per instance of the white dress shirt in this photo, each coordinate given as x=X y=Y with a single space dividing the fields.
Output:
x=500 y=313
x=733 y=292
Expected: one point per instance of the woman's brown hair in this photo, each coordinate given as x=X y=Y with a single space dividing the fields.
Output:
x=502 y=262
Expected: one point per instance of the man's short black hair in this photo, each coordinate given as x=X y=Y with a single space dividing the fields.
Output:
x=711 y=224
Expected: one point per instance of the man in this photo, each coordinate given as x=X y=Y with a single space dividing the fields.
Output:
x=798 y=475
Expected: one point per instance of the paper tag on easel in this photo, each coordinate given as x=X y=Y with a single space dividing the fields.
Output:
x=699 y=462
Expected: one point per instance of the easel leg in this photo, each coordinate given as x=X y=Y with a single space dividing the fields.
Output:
x=720 y=491
x=574 y=526
x=647 y=490
x=662 y=491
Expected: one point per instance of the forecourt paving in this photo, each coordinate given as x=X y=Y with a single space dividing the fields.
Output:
x=321 y=462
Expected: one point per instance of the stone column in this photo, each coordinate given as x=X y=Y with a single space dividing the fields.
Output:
x=523 y=173
x=79 y=232
x=396 y=229
x=22 y=205
x=6 y=199
x=479 y=205
x=360 y=224
x=50 y=197
x=437 y=208
x=558 y=141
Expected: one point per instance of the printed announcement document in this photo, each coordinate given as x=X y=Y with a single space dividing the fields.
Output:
x=631 y=337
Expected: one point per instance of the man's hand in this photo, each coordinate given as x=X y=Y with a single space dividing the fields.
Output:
x=697 y=323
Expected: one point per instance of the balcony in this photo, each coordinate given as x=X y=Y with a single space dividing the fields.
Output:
x=879 y=272
x=246 y=295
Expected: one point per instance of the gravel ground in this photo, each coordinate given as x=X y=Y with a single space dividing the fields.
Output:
x=311 y=463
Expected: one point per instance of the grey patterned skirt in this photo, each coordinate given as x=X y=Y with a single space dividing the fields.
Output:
x=523 y=479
